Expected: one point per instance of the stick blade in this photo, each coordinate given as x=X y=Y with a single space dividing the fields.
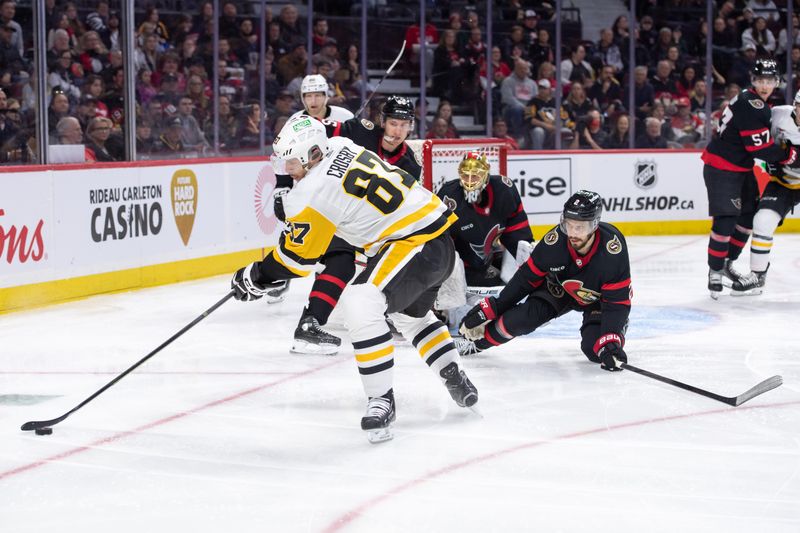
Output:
x=767 y=385
x=36 y=424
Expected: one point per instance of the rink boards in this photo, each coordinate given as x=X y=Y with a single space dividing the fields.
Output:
x=70 y=231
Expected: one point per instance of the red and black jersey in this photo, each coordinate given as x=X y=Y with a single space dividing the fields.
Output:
x=601 y=279
x=498 y=218
x=744 y=134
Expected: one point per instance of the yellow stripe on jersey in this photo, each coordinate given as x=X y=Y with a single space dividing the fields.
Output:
x=397 y=253
x=759 y=244
x=793 y=185
x=408 y=220
x=308 y=235
x=371 y=356
x=278 y=259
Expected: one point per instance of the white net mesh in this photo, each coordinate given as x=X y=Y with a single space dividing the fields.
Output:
x=440 y=158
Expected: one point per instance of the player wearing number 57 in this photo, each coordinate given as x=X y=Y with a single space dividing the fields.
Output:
x=344 y=190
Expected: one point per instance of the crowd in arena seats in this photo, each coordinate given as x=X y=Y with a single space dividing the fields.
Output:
x=173 y=68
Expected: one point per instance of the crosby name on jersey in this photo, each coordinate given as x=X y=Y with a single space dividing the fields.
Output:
x=349 y=194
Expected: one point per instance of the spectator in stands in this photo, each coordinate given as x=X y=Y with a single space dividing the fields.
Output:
x=620 y=133
x=228 y=22
x=606 y=93
x=293 y=64
x=276 y=42
x=169 y=144
x=153 y=23
x=685 y=84
x=780 y=51
x=170 y=67
x=547 y=71
x=97 y=134
x=285 y=106
x=577 y=103
x=94 y=54
x=662 y=46
x=514 y=39
x=193 y=137
x=621 y=30
x=663 y=82
x=291 y=32
x=86 y=110
x=439 y=130
x=76 y=27
x=227 y=123
x=168 y=93
x=148 y=54
x=541 y=50
x=144 y=137
x=643 y=93
x=57 y=42
x=145 y=91
x=576 y=68
x=516 y=91
x=541 y=116
x=739 y=72
x=97 y=20
x=227 y=54
x=95 y=88
x=676 y=63
x=8 y=9
x=530 y=28
x=764 y=8
x=448 y=66
x=58 y=108
x=330 y=53
x=500 y=131
x=7 y=128
x=320 y=36
x=183 y=31
x=760 y=36
x=246 y=45
x=68 y=131
x=61 y=76
x=698 y=96
x=607 y=52
x=197 y=91
x=247 y=129
x=204 y=16
x=651 y=138
x=686 y=127
x=725 y=39
x=445 y=111
x=590 y=132
x=11 y=61
x=413 y=44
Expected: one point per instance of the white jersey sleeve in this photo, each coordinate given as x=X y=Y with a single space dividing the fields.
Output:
x=340 y=114
x=785 y=129
x=356 y=196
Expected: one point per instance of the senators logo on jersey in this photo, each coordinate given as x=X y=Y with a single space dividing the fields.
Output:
x=581 y=294
x=491 y=242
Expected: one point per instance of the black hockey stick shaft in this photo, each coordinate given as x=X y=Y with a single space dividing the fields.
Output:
x=761 y=388
x=36 y=424
x=388 y=71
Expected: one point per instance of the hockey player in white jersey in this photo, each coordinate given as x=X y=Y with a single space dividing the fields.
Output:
x=344 y=190
x=781 y=194
x=314 y=95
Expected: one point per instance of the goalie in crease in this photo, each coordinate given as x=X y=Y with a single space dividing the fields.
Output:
x=492 y=236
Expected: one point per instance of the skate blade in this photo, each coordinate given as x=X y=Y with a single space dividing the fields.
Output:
x=474 y=409
x=715 y=294
x=275 y=299
x=307 y=348
x=376 y=436
x=751 y=292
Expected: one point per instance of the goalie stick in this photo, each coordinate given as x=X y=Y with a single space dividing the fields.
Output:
x=36 y=424
x=388 y=71
x=735 y=401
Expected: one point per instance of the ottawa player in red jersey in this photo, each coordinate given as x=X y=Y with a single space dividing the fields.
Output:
x=580 y=265
x=743 y=134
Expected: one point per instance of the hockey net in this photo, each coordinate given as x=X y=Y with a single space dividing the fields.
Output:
x=440 y=157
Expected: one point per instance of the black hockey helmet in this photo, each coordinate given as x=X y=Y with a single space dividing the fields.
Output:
x=398 y=107
x=765 y=68
x=583 y=205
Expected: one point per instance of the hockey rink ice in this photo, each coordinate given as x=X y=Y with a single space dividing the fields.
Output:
x=225 y=430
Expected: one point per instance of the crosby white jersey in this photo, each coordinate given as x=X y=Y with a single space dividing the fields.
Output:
x=356 y=196
x=785 y=129
x=334 y=112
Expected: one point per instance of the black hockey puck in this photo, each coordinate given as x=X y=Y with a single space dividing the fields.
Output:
x=44 y=431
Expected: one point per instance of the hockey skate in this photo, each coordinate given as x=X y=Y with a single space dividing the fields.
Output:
x=379 y=416
x=278 y=294
x=750 y=285
x=715 y=283
x=465 y=346
x=719 y=279
x=459 y=386
x=310 y=338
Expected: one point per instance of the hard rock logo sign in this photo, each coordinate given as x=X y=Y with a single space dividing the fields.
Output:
x=183 y=190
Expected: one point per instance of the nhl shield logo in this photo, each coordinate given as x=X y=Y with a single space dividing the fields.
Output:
x=645 y=176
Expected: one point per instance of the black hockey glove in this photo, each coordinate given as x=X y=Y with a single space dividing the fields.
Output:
x=245 y=287
x=792 y=158
x=484 y=311
x=609 y=350
x=277 y=198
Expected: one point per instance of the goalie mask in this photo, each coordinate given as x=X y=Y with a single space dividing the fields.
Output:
x=473 y=172
x=303 y=138
x=583 y=206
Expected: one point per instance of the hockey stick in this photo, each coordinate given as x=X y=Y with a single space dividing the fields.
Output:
x=36 y=424
x=388 y=71
x=761 y=388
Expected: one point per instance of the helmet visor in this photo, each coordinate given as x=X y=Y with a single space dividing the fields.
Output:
x=577 y=228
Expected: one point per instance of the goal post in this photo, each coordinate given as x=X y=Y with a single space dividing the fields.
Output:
x=440 y=157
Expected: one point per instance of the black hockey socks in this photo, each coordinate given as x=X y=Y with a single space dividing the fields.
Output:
x=719 y=241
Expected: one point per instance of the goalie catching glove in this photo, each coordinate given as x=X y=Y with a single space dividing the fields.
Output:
x=474 y=322
x=609 y=350
x=246 y=288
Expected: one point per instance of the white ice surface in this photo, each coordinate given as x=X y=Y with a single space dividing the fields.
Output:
x=224 y=430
